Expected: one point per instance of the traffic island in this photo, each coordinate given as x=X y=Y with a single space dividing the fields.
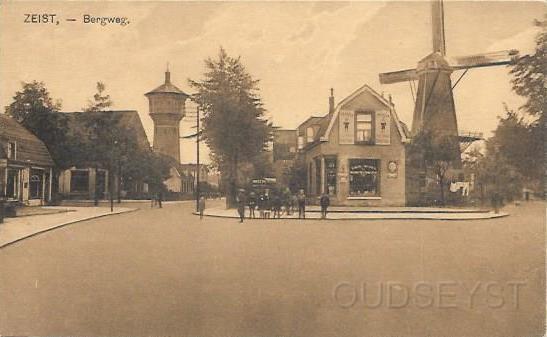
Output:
x=386 y=213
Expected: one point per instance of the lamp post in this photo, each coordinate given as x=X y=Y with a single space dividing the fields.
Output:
x=197 y=160
x=197 y=170
x=111 y=175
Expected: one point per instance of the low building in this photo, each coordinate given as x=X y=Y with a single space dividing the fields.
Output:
x=356 y=152
x=26 y=166
x=88 y=180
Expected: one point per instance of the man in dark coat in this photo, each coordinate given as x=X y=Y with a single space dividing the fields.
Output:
x=301 y=197
x=240 y=199
x=324 y=202
x=252 y=205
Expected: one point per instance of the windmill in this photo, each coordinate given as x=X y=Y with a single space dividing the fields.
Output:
x=434 y=101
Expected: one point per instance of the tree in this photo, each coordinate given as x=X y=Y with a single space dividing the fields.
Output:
x=436 y=151
x=100 y=101
x=529 y=75
x=295 y=175
x=521 y=144
x=34 y=108
x=495 y=175
x=234 y=126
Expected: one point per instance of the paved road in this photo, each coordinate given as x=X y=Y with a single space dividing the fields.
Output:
x=163 y=272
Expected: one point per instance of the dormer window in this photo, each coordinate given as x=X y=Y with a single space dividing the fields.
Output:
x=309 y=134
x=12 y=150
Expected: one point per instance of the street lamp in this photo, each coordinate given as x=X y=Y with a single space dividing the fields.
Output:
x=197 y=174
x=111 y=175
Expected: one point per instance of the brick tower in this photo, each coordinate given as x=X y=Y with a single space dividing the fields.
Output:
x=167 y=107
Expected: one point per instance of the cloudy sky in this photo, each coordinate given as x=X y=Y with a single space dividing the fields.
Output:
x=297 y=50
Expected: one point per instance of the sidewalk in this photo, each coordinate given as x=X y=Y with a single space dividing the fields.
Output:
x=125 y=203
x=15 y=229
x=398 y=213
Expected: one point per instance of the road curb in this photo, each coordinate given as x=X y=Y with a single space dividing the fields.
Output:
x=496 y=216
x=63 y=225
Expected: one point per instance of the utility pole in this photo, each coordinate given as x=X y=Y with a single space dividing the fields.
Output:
x=197 y=160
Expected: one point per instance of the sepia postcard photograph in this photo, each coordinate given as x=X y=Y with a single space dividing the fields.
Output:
x=273 y=168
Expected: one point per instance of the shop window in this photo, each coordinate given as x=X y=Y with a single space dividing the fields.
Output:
x=36 y=184
x=79 y=181
x=363 y=127
x=12 y=150
x=330 y=175
x=364 y=177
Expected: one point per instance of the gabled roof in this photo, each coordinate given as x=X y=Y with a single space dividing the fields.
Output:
x=29 y=148
x=126 y=119
x=365 y=88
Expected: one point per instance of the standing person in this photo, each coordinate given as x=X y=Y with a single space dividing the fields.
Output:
x=260 y=204
x=324 y=202
x=276 y=205
x=240 y=199
x=301 y=197
x=252 y=205
x=267 y=204
x=288 y=202
x=160 y=197
x=152 y=200
x=201 y=207
x=294 y=203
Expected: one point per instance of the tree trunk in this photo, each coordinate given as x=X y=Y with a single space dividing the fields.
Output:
x=95 y=194
x=441 y=182
x=119 y=182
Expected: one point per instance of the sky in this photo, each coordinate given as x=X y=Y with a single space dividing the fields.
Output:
x=298 y=51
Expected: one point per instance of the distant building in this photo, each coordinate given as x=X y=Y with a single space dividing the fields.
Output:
x=26 y=167
x=284 y=150
x=206 y=175
x=88 y=179
x=356 y=152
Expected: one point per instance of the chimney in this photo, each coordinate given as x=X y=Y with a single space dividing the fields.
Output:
x=167 y=74
x=331 y=101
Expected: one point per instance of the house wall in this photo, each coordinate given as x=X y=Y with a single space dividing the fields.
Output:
x=66 y=191
x=391 y=188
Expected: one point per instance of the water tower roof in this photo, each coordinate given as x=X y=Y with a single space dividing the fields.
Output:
x=167 y=87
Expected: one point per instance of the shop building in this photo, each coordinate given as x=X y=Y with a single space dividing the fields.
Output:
x=356 y=152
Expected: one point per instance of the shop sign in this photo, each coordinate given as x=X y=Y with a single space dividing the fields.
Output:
x=392 y=169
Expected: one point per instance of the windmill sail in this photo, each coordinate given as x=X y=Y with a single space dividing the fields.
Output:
x=484 y=60
x=437 y=26
x=398 y=76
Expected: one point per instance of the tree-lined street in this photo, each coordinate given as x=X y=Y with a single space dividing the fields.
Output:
x=164 y=272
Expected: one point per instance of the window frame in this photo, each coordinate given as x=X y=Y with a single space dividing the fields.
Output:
x=308 y=140
x=378 y=192
x=72 y=175
x=12 y=145
x=372 y=127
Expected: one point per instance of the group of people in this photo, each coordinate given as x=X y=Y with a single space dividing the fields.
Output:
x=275 y=204
x=271 y=205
